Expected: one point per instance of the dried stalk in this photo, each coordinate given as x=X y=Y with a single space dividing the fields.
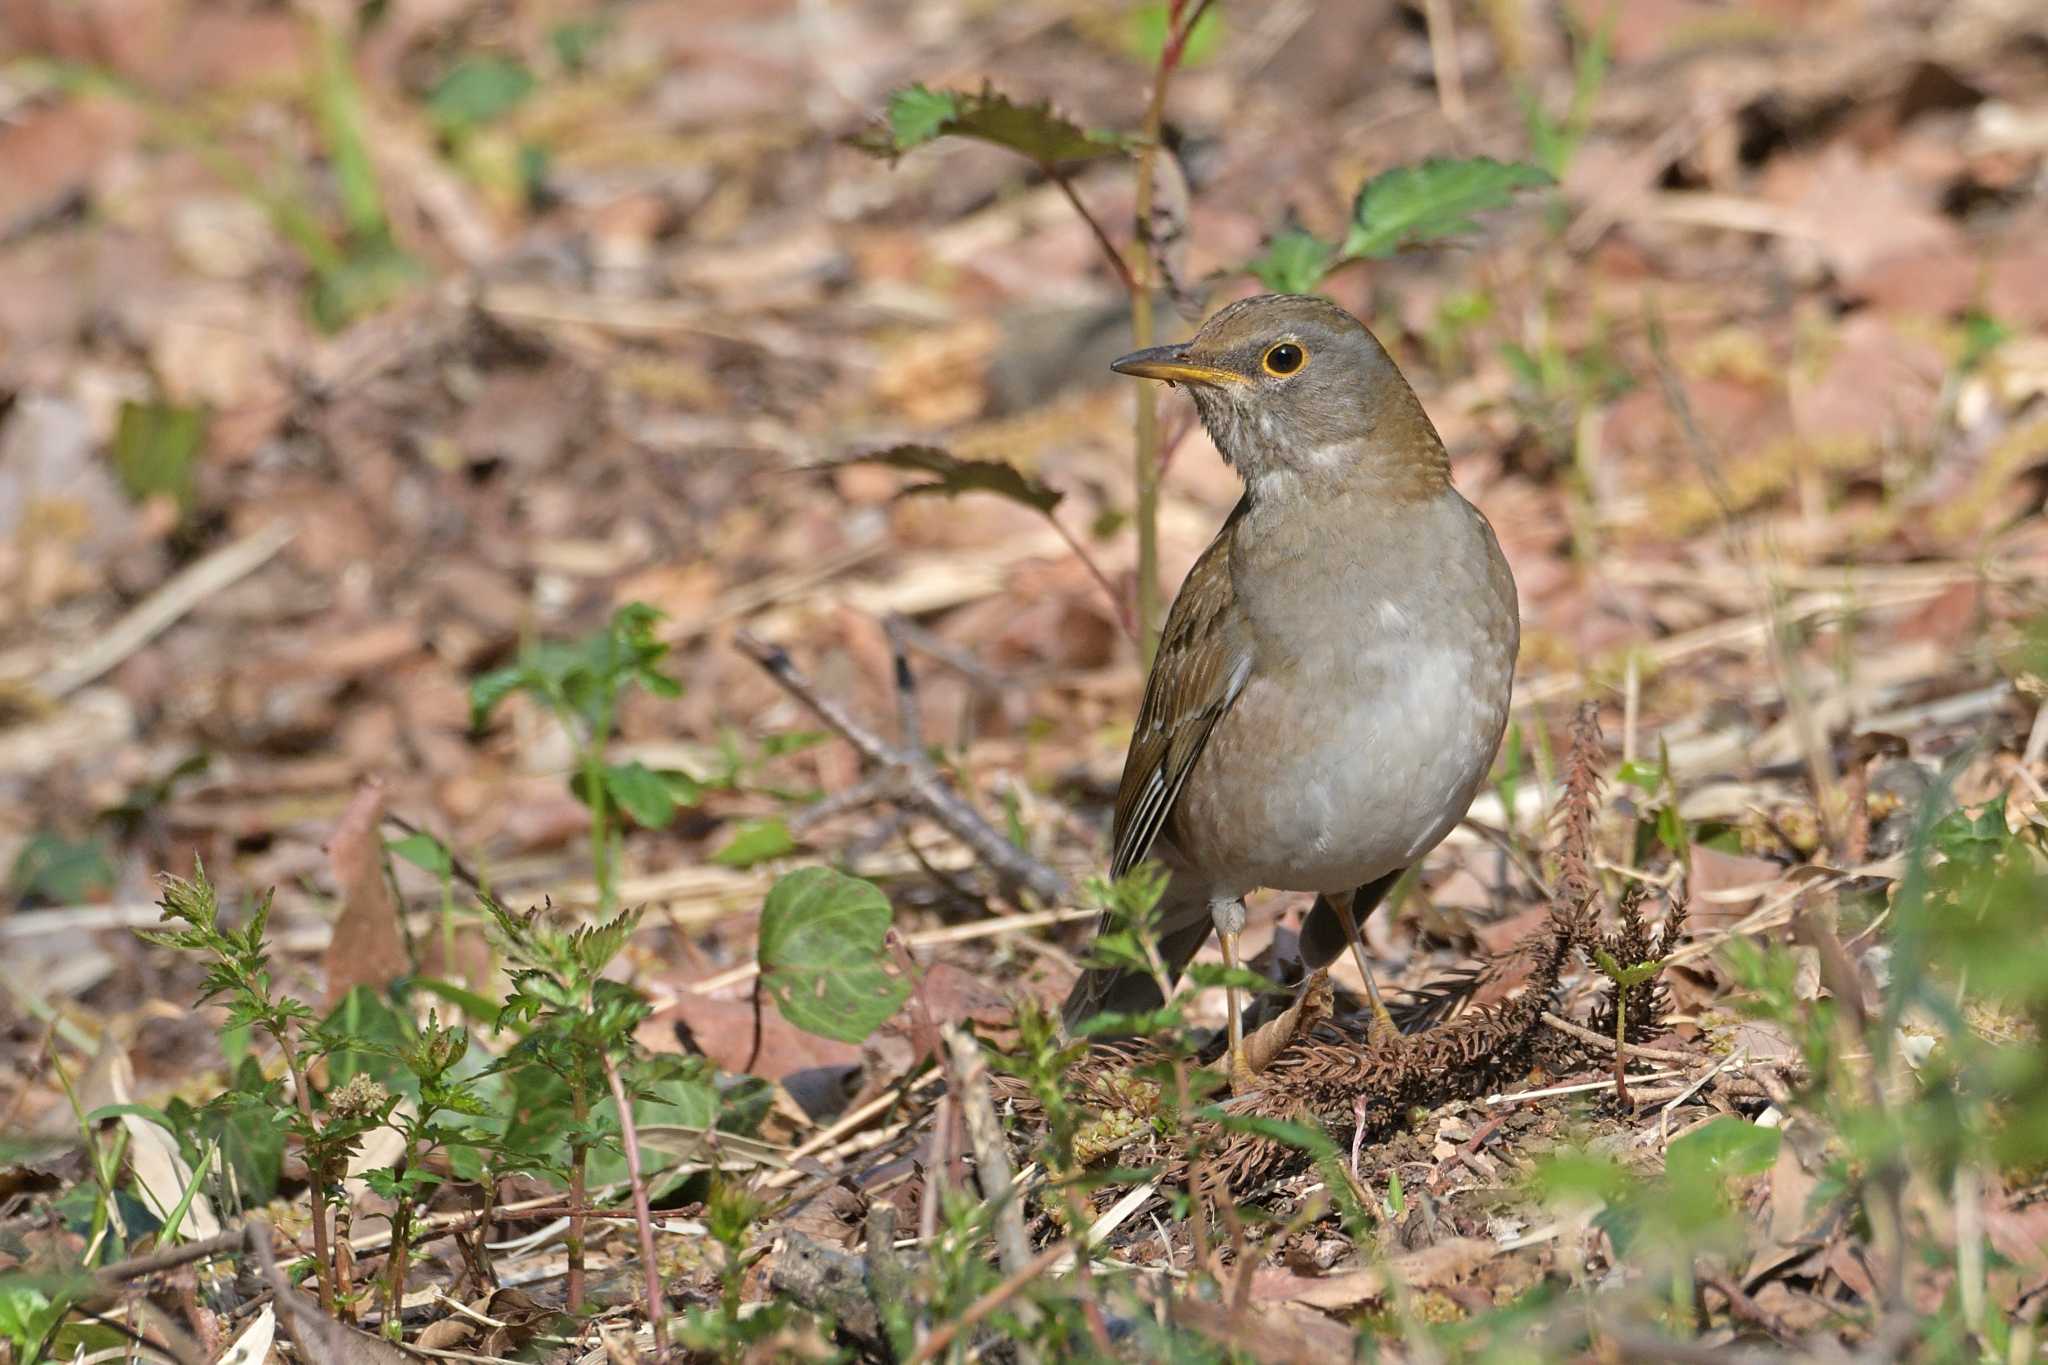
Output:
x=923 y=785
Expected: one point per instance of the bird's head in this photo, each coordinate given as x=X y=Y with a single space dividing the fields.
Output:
x=1296 y=392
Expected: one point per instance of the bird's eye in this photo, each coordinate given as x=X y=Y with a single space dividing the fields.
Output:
x=1284 y=359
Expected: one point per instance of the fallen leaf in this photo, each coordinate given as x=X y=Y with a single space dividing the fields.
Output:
x=252 y=1347
x=368 y=947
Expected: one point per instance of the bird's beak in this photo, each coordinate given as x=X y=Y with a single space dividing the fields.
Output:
x=1171 y=363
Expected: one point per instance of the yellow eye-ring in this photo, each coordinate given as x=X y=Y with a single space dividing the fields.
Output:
x=1284 y=359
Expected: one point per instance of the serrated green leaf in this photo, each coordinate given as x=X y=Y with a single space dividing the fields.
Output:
x=423 y=850
x=1434 y=199
x=917 y=115
x=1294 y=262
x=822 y=956
x=952 y=476
x=641 y=793
x=756 y=842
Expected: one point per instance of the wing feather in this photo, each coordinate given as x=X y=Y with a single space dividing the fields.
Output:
x=1203 y=662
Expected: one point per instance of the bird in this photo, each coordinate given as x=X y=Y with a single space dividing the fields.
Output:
x=1333 y=679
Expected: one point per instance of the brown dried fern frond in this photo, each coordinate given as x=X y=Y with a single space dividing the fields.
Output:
x=1576 y=812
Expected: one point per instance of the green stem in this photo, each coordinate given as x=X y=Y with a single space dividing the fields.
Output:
x=600 y=814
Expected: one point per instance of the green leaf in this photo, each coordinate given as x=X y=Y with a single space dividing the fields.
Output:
x=1294 y=262
x=1645 y=773
x=1727 y=1146
x=1213 y=974
x=953 y=476
x=917 y=115
x=477 y=90
x=1410 y=205
x=54 y=870
x=1974 y=839
x=423 y=850
x=821 y=954
x=756 y=842
x=642 y=793
x=26 y=1313
x=157 y=448
x=486 y=691
x=373 y=273
x=338 y=101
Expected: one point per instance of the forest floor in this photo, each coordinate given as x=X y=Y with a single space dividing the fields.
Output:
x=339 y=369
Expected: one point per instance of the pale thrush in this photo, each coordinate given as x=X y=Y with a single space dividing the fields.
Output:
x=1333 y=678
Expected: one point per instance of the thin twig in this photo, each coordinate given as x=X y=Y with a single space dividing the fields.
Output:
x=1443 y=59
x=642 y=1214
x=1116 y=258
x=885 y=786
x=909 y=719
x=1117 y=601
x=163 y=608
x=991 y=1153
x=924 y=787
x=457 y=869
x=925 y=938
x=1606 y=1044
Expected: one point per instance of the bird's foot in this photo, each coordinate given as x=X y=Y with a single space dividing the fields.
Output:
x=1382 y=1019
x=1243 y=1080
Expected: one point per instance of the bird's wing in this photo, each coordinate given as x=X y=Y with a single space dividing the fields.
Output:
x=1203 y=661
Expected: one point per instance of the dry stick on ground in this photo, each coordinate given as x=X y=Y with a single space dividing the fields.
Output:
x=1606 y=1044
x=167 y=605
x=991 y=1154
x=923 y=785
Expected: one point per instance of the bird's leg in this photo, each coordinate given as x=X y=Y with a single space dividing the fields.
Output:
x=1372 y=990
x=1229 y=917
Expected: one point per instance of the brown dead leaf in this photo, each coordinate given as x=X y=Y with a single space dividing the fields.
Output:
x=48 y=155
x=368 y=947
x=1792 y=1188
x=1863 y=211
x=450 y=1333
x=1265 y=1042
x=1727 y=886
x=323 y=1341
x=723 y=1030
x=1875 y=383
x=2020 y=1234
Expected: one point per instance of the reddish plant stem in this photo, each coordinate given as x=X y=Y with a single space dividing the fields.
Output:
x=1116 y=258
x=579 y=1169
x=323 y=1264
x=1180 y=21
x=1117 y=600
x=643 y=1215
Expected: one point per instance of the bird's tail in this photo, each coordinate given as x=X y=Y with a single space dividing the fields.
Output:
x=1183 y=927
